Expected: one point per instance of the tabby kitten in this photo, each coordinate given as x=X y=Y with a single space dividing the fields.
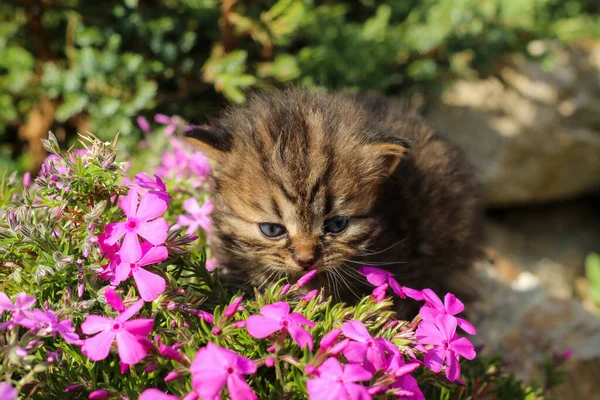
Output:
x=306 y=181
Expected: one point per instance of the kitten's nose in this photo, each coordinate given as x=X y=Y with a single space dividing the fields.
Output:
x=305 y=252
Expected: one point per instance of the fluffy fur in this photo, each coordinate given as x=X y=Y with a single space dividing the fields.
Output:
x=299 y=158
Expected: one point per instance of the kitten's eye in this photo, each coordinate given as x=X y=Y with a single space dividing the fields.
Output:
x=271 y=230
x=336 y=225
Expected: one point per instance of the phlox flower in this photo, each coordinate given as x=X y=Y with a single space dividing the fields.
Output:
x=49 y=324
x=445 y=345
x=378 y=277
x=276 y=317
x=337 y=382
x=23 y=302
x=451 y=306
x=198 y=215
x=130 y=350
x=141 y=220
x=364 y=349
x=405 y=383
x=214 y=367
x=233 y=307
x=144 y=184
x=170 y=122
x=149 y=284
x=7 y=391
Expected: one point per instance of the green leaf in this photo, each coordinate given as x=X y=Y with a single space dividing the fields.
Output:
x=72 y=104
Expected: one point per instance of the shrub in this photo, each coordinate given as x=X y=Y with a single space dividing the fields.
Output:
x=113 y=295
x=77 y=65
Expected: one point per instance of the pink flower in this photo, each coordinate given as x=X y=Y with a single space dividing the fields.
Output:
x=214 y=367
x=114 y=300
x=451 y=306
x=144 y=184
x=49 y=324
x=7 y=391
x=155 y=394
x=310 y=295
x=337 y=382
x=150 y=285
x=379 y=292
x=445 y=345
x=141 y=221
x=407 y=384
x=143 y=124
x=276 y=317
x=198 y=165
x=378 y=277
x=366 y=350
x=198 y=215
x=23 y=302
x=130 y=350
x=171 y=122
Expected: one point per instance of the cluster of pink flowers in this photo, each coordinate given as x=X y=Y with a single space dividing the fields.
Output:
x=178 y=162
x=143 y=206
x=41 y=322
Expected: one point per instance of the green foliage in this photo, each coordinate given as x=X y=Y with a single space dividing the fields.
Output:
x=592 y=272
x=102 y=64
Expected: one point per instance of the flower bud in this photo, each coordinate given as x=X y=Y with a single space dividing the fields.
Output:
x=310 y=369
x=233 y=307
x=269 y=362
x=216 y=331
x=306 y=278
x=99 y=395
x=171 y=376
x=285 y=289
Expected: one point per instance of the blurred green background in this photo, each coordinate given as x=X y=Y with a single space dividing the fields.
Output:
x=75 y=65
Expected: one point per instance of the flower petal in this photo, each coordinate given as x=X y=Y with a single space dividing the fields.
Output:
x=239 y=389
x=96 y=323
x=130 y=350
x=122 y=271
x=129 y=203
x=155 y=394
x=447 y=325
x=325 y=389
x=356 y=330
x=453 y=305
x=191 y=205
x=301 y=336
x=151 y=206
x=355 y=352
x=356 y=373
x=260 y=327
x=357 y=392
x=466 y=326
x=155 y=231
x=97 y=348
x=5 y=302
x=24 y=301
x=301 y=319
x=209 y=383
x=130 y=249
x=153 y=255
x=140 y=327
x=331 y=368
x=432 y=299
x=396 y=288
x=412 y=293
x=131 y=311
x=245 y=365
x=463 y=347
x=434 y=358
x=452 y=368
x=149 y=285
x=276 y=311
x=375 y=276
x=114 y=231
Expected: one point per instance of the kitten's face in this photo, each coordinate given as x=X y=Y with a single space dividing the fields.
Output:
x=295 y=183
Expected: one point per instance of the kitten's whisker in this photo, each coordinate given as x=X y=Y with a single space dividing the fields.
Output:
x=339 y=271
x=381 y=251
x=375 y=263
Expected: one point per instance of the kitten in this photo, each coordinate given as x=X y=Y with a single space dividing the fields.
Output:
x=306 y=181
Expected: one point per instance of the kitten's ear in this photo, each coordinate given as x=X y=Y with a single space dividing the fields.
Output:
x=214 y=142
x=389 y=153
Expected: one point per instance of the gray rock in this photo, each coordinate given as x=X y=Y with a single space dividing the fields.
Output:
x=532 y=134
